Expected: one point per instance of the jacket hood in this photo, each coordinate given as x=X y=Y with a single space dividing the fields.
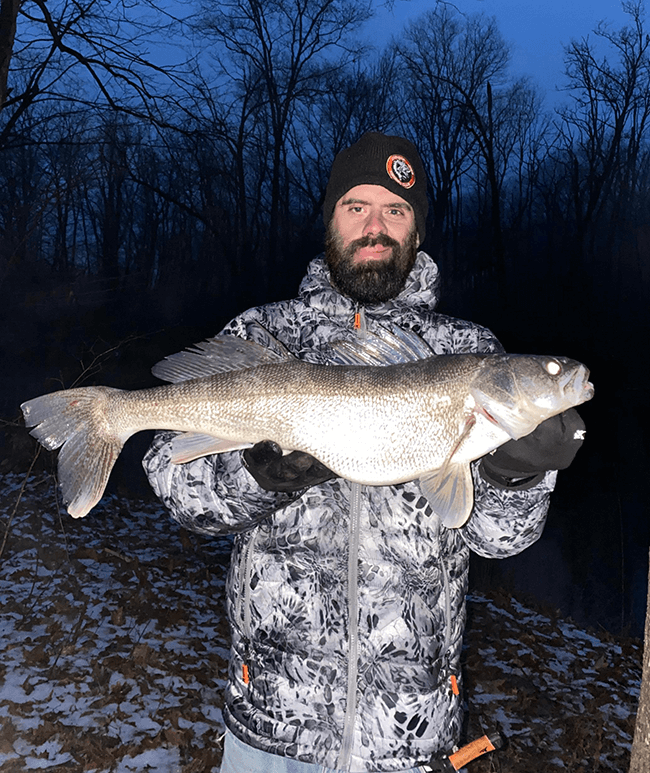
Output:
x=420 y=291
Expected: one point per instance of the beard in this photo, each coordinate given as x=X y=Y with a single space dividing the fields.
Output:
x=372 y=281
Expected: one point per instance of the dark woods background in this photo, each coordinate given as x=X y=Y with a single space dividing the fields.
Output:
x=143 y=204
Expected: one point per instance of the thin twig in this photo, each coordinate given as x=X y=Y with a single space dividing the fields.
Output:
x=20 y=496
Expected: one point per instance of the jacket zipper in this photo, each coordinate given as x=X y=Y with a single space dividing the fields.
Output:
x=244 y=611
x=347 y=738
x=446 y=672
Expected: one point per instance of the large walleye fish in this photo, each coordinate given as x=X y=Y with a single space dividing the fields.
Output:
x=420 y=417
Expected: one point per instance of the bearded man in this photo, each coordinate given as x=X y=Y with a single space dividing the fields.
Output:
x=346 y=602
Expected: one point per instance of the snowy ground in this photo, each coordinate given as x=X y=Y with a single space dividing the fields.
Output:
x=564 y=698
x=114 y=653
x=112 y=637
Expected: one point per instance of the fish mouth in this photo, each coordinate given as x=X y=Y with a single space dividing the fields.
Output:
x=579 y=385
x=588 y=388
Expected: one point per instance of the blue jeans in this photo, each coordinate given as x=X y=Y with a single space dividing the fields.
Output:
x=238 y=757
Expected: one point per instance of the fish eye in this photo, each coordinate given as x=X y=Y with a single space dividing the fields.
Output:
x=553 y=367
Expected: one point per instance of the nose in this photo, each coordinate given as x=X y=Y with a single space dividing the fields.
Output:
x=374 y=224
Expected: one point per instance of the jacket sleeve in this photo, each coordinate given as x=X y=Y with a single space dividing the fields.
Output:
x=506 y=521
x=211 y=495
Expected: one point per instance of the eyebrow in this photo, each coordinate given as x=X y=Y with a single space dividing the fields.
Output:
x=396 y=205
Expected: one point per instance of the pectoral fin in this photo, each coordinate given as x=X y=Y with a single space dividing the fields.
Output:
x=450 y=491
x=193 y=445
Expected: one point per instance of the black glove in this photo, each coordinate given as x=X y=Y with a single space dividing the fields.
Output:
x=551 y=446
x=275 y=472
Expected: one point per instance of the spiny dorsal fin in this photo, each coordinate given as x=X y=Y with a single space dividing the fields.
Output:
x=384 y=347
x=218 y=355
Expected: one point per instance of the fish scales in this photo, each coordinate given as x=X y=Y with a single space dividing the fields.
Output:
x=369 y=424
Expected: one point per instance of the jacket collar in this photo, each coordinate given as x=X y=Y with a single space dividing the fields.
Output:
x=420 y=291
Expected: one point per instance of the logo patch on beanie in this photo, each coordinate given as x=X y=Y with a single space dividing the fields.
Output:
x=400 y=170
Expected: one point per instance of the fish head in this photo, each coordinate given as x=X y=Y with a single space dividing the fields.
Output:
x=518 y=392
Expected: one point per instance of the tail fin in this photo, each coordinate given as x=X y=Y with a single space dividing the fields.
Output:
x=76 y=420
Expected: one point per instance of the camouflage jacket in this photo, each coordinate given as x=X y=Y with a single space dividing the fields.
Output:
x=346 y=603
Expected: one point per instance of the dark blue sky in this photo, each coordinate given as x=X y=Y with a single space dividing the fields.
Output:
x=536 y=30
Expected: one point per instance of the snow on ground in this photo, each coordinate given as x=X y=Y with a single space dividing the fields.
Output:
x=564 y=698
x=114 y=653
x=112 y=637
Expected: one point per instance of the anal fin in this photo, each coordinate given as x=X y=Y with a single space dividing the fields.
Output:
x=192 y=445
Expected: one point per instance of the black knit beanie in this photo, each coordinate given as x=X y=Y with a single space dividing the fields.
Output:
x=378 y=159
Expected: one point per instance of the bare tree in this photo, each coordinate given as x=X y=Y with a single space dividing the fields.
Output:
x=69 y=166
x=230 y=128
x=605 y=128
x=280 y=49
x=524 y=137
x=452 y=63
x=8 y=18
x=353 y=99
x=23 y=179
x=45 y=45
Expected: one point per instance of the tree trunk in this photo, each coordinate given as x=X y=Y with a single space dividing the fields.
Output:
x=8 y=15
x=640 y=762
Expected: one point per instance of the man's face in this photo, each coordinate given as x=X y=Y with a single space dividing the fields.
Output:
x=371 y=243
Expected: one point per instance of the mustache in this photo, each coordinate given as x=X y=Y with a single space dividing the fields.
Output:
x=371 y=241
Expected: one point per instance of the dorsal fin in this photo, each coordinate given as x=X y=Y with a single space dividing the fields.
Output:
x=385 y=347
x=218 y=355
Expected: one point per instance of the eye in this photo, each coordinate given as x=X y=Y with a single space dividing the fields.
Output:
x=553 y=367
